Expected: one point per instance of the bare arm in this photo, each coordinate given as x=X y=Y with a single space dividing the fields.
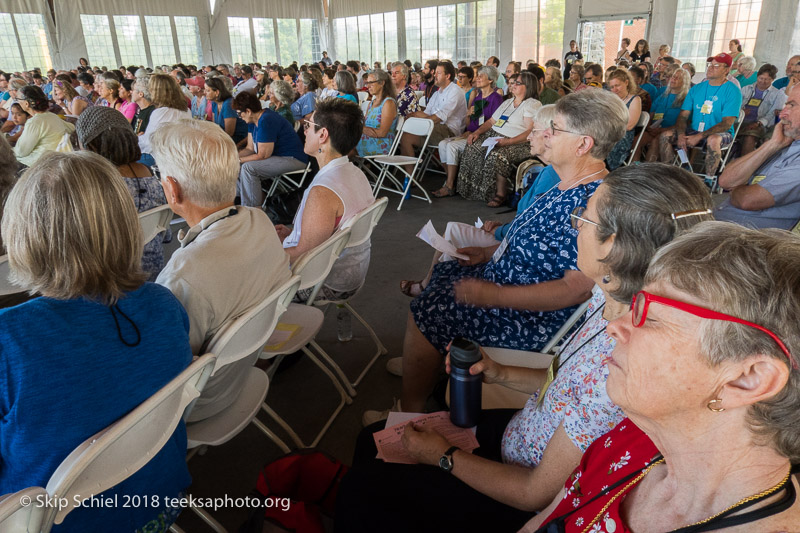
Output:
x=573 y=289
x=527 y=489
x=751 y=198
x=740 y=170
x=388 y=114
x=724 y=125
x=634 y=112
x=77 y=107
x=486 y=126
x=264 y=151
x=682 y=120
x=536 y=522
x=230 y=126
x=319 y=220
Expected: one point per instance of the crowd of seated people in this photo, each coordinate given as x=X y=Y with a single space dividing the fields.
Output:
x=198 y=138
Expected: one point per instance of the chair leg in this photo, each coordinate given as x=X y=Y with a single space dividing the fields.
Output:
x=381 y=348
x=208 y=519
x=346 y=399
x=176 y=529
x=272 y=436
x=282 y=423
x=332 y=364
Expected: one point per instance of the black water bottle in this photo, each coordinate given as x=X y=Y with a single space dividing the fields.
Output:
x=465 y=389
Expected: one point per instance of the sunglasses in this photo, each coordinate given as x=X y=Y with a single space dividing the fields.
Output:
x=642 y=300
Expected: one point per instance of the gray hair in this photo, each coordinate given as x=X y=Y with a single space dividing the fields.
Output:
x=345 y=82
x=71 y=229
x=16 y=84
x=140 y=73
x=747 y=63
x=637 y=207
x=201 y=157
x=753 y=275
x=283 y=92
x=142 y=85
x=491 y=73
x=599 y=114
x=403 y=68
x=545 y=114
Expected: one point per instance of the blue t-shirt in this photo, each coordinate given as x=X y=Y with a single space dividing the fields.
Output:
x=651 y=90
x=544 y=181
x=304 y=105
x=744 y=82
x=664 y=109
x=781 y=83
x=227 y=112
x=724 y=101
x=348 y=97
x=66 y=375
x=273 y=128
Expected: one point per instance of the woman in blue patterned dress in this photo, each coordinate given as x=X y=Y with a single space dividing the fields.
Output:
x=518 y=294
x=525 y=455
x=106 y=132
x=380 y=124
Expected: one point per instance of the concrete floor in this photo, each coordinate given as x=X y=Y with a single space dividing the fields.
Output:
x=302 y=395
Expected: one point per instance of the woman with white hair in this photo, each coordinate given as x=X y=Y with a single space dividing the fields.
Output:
x=746 y=68
x=280 y=96
x=73 y=236
x=485 y=101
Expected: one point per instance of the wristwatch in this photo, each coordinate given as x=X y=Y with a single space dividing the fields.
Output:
x=446 y=460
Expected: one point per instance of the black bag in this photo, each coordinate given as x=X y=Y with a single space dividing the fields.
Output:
x=282 y=207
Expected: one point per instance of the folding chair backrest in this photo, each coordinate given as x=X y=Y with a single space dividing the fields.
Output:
x=154 y=221
x=18 y=518
x=315 y=265
x=574 y=318
x=116 y=453
x=6 y=287
x=641 y=125
x=247 y=334
x=362 y=224
x=362 y=96
x=417 y=126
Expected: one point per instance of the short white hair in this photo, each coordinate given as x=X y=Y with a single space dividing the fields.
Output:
x=747 y=63
x=201 y=157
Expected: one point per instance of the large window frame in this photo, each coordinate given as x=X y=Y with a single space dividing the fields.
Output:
x=32 y=38
x=461 y=31
x=367 y=38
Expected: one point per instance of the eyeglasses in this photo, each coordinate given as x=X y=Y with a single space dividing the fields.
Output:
x=519 y=82
x=156 y=171
x=307 y=124
x=553 y=129
x=577 y=220
x=371 y=82
x=642 y=300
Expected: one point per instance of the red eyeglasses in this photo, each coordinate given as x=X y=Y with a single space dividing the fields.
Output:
x=642 y=299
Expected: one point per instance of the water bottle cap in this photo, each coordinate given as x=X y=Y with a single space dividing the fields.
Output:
x=464 y=353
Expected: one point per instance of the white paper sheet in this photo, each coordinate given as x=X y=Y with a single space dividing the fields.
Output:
x=429 y=235
x=490 y=144
x=479 y=223
x=683 y=157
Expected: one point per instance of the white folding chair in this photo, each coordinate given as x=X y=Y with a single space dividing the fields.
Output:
x=644 y=119
x=119 y=451
x=6 y=287
x=367 y=163
x=18 y=518
x=361 y=227
x=287 y=182
x=362 y=96
x=422 y=127
x=155 y=221
x=306 y=320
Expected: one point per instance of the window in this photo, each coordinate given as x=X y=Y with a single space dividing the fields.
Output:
x=364 y=41
x=130 y=40
x=241 y=45
x=390 y=36
x=340 y=27
x=33 y=38
x=99 y=45
x=316 y=40
x=306 y=55
x=465 y=20
x=10 y=56
x=287 y=40
x=378 y=52
x=447 y=32
x=352 y=39
x=538 y=30
x=795 y=37
x=526 y=25
x=413 y=34
x=736 y=19
x=551 y=29
x=264 y=34
x=188 y=33
x=697 y=36
x=486 y=29
x=428 y=25
x=159 y=37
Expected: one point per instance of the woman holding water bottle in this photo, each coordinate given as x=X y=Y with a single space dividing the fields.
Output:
x=525 y=456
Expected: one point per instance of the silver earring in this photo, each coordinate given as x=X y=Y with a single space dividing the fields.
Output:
x=319 y=150
x=606 y=279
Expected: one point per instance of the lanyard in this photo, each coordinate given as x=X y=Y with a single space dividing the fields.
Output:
x=511 y=102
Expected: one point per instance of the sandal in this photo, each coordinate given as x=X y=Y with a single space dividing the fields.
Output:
x=444 y=192
x=411 y=288
x=497 y=201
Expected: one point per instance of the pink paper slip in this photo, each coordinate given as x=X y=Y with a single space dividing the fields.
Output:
x=389 y=441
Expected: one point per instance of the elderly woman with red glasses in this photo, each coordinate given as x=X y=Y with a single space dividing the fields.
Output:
x=705 y=367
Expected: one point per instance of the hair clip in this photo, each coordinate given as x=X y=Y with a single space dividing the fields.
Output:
x=684 y=214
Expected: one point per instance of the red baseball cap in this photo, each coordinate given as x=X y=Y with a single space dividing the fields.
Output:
x=719 y=58
x=196 y=81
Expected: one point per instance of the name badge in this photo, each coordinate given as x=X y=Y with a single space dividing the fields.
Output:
x=707 y=107
x=754 y=102
x=658 y=116
x=500 y=251
x=701 y=127
x=756 y=179
x=501 y=121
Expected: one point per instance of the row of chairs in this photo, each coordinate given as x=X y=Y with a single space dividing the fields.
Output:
x=114 y=454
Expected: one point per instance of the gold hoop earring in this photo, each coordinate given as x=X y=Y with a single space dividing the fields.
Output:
x=712 y=405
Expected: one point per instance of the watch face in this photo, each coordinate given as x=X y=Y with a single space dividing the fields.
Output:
x=446 y=463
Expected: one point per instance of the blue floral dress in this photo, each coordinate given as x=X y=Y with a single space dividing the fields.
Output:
x=148 y=194
x=376 y=145
x=542 y=246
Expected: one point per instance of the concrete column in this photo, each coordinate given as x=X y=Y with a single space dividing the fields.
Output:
x=662 y=24
x=775 y=28
x=504 y=32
